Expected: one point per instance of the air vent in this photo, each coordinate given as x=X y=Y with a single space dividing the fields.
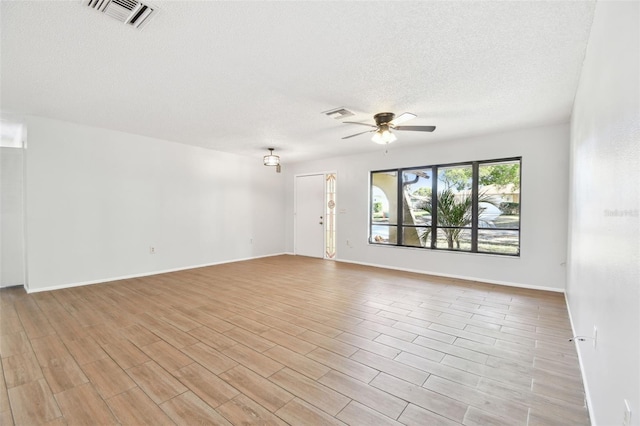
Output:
x=338 y=113
x=130 y=12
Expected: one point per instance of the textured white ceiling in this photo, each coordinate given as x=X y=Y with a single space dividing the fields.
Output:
x=241 y=76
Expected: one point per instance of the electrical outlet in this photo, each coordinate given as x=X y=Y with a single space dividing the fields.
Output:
x=152 y=250
x=595 y=336
x=627 y=414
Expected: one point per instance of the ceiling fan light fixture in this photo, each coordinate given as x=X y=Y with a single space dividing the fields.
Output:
x=271 y=159
x=385 y=122
x=383 y=136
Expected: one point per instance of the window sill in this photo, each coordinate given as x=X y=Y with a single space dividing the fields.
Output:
x=501 y=256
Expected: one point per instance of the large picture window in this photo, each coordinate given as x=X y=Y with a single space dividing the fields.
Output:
x=470 y=207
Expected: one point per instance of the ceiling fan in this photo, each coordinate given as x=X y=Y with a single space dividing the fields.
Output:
x=387 y=121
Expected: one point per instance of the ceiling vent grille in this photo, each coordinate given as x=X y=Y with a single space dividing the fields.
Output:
x=130 y=12
x=338 y=113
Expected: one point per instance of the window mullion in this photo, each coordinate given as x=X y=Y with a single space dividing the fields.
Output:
x=400 y=212
x=370 y=237
x=475 y=174
x=434 y=207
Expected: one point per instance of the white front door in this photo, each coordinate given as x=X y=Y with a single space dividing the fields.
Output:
x=309 y=216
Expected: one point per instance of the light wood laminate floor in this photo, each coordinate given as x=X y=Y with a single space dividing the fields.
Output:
x=288 y=340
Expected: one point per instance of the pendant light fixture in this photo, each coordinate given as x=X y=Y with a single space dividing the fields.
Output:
x=272 y=160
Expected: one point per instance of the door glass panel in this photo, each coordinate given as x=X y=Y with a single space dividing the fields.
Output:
x=330 y=218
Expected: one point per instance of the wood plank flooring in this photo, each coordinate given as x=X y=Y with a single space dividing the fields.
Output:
x=288 y=340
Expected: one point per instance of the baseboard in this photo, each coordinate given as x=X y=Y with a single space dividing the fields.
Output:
x=11 y=286
x=460 y=277
x=582 y=372
x=144 y=274
x=417 y=271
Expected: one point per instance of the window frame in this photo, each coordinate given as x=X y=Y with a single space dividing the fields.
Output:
x=474 y=227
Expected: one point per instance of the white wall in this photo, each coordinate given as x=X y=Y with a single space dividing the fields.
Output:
x=98 y=199
x=545 y=162
x=11 y=217
x=604 y=244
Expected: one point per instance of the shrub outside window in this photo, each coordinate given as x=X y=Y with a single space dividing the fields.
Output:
x=470 y=207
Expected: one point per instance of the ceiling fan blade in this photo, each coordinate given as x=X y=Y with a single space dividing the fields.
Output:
x=362 y=124
x=416 y=128
x=357 y=134
x=405 y=116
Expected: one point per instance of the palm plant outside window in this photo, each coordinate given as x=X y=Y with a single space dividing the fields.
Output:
x=470 y=207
